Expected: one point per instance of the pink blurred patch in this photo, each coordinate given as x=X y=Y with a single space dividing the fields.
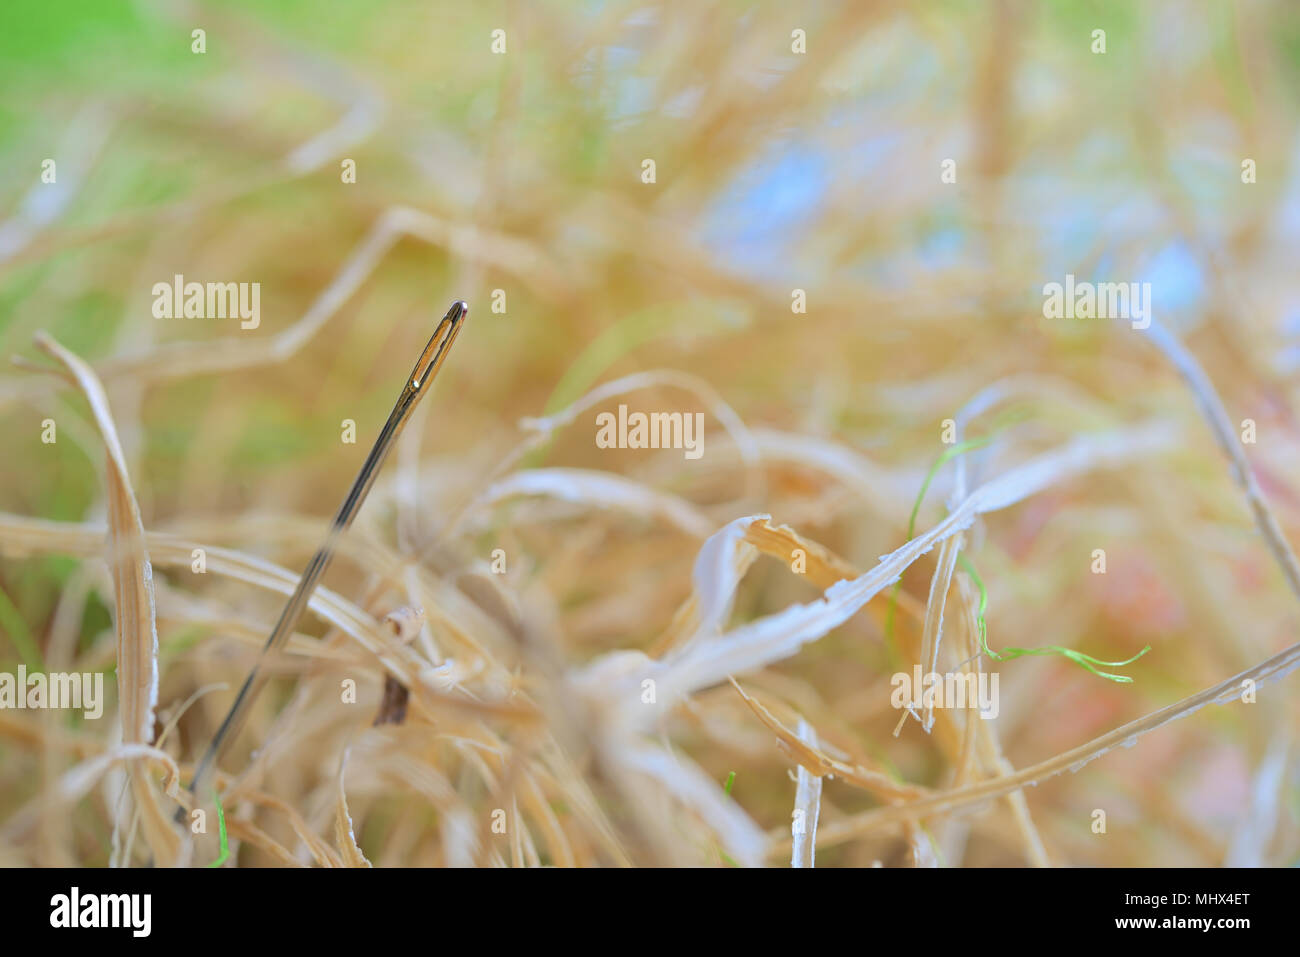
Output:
x=1219 y=787
x=1248 y=573
x=1033 y=515
x=1133 y=596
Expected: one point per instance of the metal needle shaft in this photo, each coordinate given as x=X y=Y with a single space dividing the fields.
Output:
x=422 y=376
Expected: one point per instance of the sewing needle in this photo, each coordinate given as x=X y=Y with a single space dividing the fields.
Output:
x=421 y=378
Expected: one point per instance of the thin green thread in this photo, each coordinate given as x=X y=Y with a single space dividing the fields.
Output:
x=948 y=455
x=221 y=831
x=727 y=858
x=1007 y=654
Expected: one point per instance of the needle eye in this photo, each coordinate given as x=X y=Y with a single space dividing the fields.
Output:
x=427 y=365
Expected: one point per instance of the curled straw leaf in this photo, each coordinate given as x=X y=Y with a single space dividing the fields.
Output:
x=595 y=489
x=808 y=755
x=344 y=834
x=137 y=636
x=133 y=601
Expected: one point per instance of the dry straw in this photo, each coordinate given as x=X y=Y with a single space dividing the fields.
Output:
x=604 y=635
